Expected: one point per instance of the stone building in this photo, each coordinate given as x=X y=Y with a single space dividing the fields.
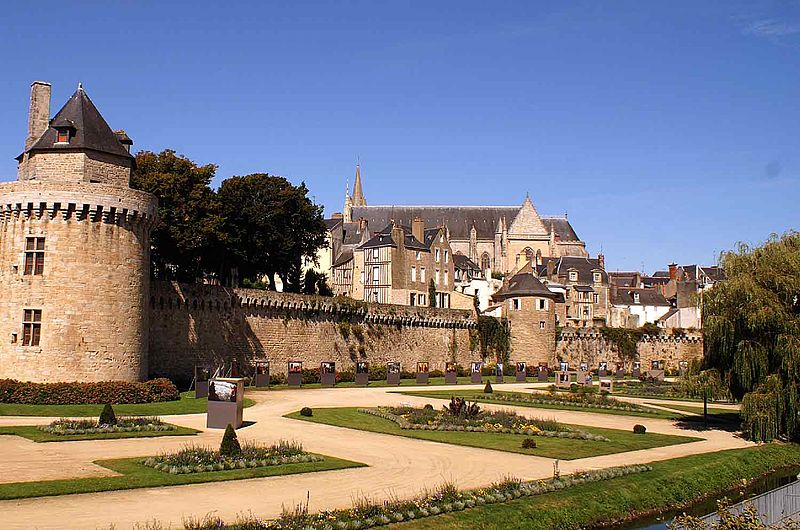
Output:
x=498 y=238
x=74 y=251
x=529 y=308
x=583 y=285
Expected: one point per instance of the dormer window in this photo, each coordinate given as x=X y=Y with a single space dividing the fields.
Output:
x=65 y=129
x=62 y=136
x=573 y=276
x=635 y=298
x=596 y=277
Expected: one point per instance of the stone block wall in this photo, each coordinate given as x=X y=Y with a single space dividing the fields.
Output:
x=592 y=347
x=216 y=326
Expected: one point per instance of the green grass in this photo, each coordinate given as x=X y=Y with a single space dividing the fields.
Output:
x=37 y=435
x=673 y=484
x=186 y=405
x=135 y=475
x=487 y=398
x=562 y=448
x=433 y=381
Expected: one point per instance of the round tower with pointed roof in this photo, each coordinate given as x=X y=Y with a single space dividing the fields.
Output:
x=74 y=251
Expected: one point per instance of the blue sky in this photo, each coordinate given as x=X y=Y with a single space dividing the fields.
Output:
x=667 y=131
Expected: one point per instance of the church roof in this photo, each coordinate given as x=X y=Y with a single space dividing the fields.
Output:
x=91 y=130
x=459 y=219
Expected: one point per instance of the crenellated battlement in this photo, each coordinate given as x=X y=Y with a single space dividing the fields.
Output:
x=76 y=201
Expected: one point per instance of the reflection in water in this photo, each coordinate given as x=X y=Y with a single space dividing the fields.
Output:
x=768 y=483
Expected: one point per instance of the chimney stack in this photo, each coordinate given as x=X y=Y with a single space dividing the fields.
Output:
x=398 y=236
x=551 y=269
x=38 y=113
x=418 y=229
x=601 y=261
x=673 y=271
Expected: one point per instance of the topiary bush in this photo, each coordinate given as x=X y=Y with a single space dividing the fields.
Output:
x=307 y=412
x=428 y=406
x=230 y=443
x=107 y=417
x=98 y=393
x=488 y=388
x=639 y=429
x=529 y=443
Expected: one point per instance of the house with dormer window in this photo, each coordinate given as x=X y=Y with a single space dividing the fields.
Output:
x=582 y=284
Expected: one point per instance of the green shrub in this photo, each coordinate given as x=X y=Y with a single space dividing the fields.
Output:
x=488 y=388
x=307 y=412
x=529 y=443
x=428 y=406
x=639 y=429
x=107 y=417
x=230 y=443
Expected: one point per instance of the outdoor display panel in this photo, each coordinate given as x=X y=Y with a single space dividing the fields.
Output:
x=543 y=372
x=602 y=369
x=584 y=367
x=362 y=373
x=498 y=373
x=393 y=373
x=327 y=373
x=563 y=366
x=562 y=379
x=261 y=377
x=225 y=403
x=295 y=373
x=422 y=373
x=201 y=376
x=521 y=372
x=475 y=372
x=450 y=373
x=607 y=385
x=620 y=370
x=637 y=369
x=683 y=367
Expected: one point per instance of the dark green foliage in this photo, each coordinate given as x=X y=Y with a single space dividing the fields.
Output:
x=431 y=293
x=427 y=406
x=752 y=334
x=316 y=283
x=529 y=443
x=230 y=443
x=488 y=388
x=307 y=412
x=269 y=225
x=625 y=340
x=494 y=338
x=116 y=392
x=639 y=429
x=107 y=416
x=189 y=232
x=461 y=408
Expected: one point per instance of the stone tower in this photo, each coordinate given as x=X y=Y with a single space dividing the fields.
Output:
x=74 y=251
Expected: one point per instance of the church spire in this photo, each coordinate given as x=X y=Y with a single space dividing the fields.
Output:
x=358 y=193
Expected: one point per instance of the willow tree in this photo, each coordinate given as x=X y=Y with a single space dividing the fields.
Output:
x=752 y=334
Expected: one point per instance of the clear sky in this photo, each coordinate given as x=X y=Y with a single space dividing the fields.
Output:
x=667 y=131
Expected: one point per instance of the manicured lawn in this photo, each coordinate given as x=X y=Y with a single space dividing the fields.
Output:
x=33 y=433
x=672 y=484
x=135 y=475
x=562 y=448
x=186 y=405
x=487 y=398
x=433 y=381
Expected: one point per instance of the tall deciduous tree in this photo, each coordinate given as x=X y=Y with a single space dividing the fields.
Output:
x=752 y=334
x=271 y=225
x=186 y=239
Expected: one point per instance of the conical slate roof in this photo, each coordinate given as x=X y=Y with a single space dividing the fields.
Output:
x=90 y=129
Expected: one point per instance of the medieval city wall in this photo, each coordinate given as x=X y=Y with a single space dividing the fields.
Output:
x=220 y=327
x=592 y=347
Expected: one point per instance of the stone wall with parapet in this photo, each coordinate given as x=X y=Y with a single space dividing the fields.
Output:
x=211 y=325
x=592 y=347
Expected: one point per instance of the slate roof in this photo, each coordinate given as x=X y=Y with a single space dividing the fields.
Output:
x=523 y=284
x=384 y=239
x=460 y=261
x=91 y=132
x=665 y=316
x=623 y=279
x=345 y=256
x=585 y=267
x=459 y=220
x=330 y=224
x=650 y=297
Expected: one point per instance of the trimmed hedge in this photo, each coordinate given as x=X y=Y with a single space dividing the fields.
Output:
x=100 y=393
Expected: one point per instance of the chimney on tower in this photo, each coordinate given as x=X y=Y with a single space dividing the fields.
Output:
x=673 y=271
x=38 y=113
x=418 y=229
x=601 y=261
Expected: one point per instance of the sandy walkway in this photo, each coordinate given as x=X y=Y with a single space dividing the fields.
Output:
x=397 y=466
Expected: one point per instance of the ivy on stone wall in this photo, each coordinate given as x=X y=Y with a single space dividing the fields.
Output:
x=494 y=338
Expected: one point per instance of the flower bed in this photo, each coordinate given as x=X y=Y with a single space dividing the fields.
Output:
x=509 y=423
x=588 y=401
x=64 y=426
x=197 y=459
x=444 y=500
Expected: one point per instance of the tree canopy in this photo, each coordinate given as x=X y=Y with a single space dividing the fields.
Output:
x=752 y=334
x=260 y=225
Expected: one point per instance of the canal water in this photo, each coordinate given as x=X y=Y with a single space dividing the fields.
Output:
x=768 y=483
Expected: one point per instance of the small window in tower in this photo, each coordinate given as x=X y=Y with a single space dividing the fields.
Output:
x=34 y=256
x=542 y=324
x=62 y=136
x=31 y=327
